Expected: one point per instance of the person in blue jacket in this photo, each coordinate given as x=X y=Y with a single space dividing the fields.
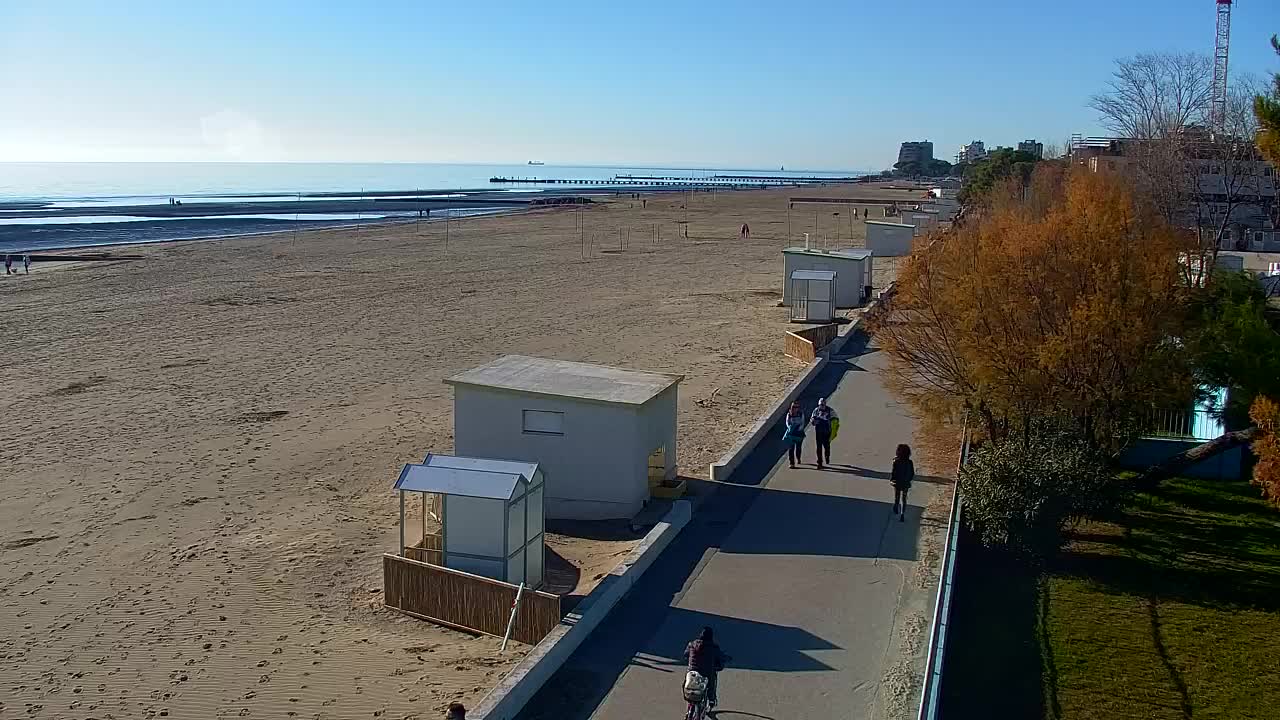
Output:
x=793 y=432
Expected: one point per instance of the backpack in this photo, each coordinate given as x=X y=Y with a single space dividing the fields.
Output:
x=695 y=687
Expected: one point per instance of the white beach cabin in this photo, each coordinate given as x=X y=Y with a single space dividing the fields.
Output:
x=852 y=268
x=889 y=239
x=923 y=221
x=813 y=295
x=491 y=515
x=599 y=433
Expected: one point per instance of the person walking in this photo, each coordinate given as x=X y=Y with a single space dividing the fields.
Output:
x=8 y=265
x=26 y=264
x=904 y=471
x=793 y=432
x=823 y=420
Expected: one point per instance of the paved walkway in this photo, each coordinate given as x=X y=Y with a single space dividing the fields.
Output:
x=801 y=573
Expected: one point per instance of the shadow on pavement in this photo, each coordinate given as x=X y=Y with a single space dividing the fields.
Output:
x=751 y=645
x=880 y=474
x=785 y=522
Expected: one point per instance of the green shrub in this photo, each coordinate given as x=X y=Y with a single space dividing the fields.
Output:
x=1021 y=494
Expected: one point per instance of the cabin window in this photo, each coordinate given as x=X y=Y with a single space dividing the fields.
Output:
x=543 y=422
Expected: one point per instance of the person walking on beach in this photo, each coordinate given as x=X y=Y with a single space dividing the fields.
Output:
x=904 y=471
x=26 y=264
x=745 y=232
x=8 y=265
x=824 y=422
x=793 y=432
x=456 y=712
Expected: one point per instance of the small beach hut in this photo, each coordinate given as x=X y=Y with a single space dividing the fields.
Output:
x=923 y=221
x=852 y=267
x=491 y=515
x=889 y=239
x=813 y=294
x=603 y=435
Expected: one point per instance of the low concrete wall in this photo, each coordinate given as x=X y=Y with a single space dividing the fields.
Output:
x=1146 y=452
x=515 y=690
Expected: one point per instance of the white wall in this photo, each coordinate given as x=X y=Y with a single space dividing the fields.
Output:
x=590 y=471
x=657 y=428
x=850 y=275
x=923 y=221
x=474 y=526
x=889 y=240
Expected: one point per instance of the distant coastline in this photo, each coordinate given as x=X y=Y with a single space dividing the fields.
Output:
x=79 y=205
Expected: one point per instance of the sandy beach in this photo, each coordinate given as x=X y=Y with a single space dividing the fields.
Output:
x=199 y=445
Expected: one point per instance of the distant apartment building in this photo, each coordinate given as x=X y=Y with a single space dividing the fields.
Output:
x=919 y=152
x=1033 y=147
x=972 y=152
x=1249 y=187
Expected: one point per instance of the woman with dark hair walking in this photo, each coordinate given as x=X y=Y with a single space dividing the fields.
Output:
x=793 y=432
x=904 y=471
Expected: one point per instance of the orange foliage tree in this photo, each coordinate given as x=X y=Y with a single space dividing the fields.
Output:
x=1265 y=414
x=1056 y=301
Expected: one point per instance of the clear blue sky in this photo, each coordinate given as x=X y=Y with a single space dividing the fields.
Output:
x=821 y=85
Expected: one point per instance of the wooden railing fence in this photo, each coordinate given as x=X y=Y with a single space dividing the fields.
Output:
x=465 y=601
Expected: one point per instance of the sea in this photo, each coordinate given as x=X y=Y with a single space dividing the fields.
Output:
x=46 y=206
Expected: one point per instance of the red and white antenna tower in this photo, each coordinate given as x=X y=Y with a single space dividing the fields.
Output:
x=1218 y=100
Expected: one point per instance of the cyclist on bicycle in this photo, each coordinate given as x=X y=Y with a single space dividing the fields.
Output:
x=707 y=659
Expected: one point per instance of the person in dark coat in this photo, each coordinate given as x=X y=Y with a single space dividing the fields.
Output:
x=456 y=712
x=822 y=419
x=707 y=659
x=904 y=471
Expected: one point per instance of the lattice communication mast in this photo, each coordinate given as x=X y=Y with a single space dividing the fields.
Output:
x=1218 y=100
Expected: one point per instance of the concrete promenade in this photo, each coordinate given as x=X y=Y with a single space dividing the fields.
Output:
x=802 y=573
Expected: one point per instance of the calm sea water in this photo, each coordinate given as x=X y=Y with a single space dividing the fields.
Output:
x=69 y=181
x=90 y=191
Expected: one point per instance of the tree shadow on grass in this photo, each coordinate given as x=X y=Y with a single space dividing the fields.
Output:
x=1194 y=542
x=1180 y=544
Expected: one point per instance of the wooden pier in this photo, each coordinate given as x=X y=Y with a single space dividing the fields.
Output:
x=671 y=181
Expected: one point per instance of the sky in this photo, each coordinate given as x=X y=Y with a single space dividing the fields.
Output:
x=813 y=85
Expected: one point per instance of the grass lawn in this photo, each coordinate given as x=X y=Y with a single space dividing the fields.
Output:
x=1171 y=610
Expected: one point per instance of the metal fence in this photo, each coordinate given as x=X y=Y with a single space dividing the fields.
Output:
x=1196 y=424
x=930 y=693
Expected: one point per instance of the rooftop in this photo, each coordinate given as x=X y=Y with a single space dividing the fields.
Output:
x=886 y=222
x=849 y=253
x=527 y=469
x=562 y=378
x=468 y=482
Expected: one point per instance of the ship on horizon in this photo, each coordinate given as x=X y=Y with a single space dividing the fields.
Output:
x=536 y=162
